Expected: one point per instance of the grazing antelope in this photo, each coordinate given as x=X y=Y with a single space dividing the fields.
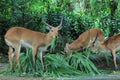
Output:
x=85 y=40
x=17 y=37
x=111 y=45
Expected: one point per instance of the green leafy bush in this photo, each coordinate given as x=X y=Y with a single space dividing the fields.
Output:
x=57 y=65
x=82 y=62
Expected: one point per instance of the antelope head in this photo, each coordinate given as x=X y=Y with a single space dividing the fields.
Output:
x=53 y=31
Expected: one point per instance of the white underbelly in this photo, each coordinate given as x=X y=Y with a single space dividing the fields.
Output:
x=44 y=48
x=25 y=44
x=22 y=43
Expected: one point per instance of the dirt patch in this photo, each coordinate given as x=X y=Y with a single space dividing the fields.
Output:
x=3 y=58
x=107 y=77
x=17 y=78
x=3 y=66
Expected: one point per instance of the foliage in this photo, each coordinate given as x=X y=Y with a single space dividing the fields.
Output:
x=83 y=62
x=78 y=16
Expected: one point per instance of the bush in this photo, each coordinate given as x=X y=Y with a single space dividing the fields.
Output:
x=57 y=65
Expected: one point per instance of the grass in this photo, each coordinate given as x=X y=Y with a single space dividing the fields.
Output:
x=83 y=63
x=56 y=65
x=52 y=45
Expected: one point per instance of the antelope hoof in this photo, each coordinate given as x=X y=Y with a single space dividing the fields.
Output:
x=34 y=68
x=43 y=70
x=116 y=68
x=12 y=71
x=21 y=70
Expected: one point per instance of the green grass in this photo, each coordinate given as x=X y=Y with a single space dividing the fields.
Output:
x=82 y=62
x=52 y=45
x=56 y=65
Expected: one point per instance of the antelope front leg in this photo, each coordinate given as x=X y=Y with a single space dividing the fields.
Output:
x=114 y=59
x=34 y=57
x=10 y=56
x=41 y=59
x=17 y=52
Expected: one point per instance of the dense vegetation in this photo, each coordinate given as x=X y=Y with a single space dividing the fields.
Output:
x=78 y=16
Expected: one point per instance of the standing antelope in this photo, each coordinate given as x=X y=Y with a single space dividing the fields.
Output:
x=85 y=40
x=17 y=37
x=111 y=45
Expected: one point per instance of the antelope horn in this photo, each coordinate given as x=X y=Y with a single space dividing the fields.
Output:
x=47 y=24
x=59 y=27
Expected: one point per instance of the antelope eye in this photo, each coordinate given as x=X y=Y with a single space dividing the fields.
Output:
x=51 y=30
